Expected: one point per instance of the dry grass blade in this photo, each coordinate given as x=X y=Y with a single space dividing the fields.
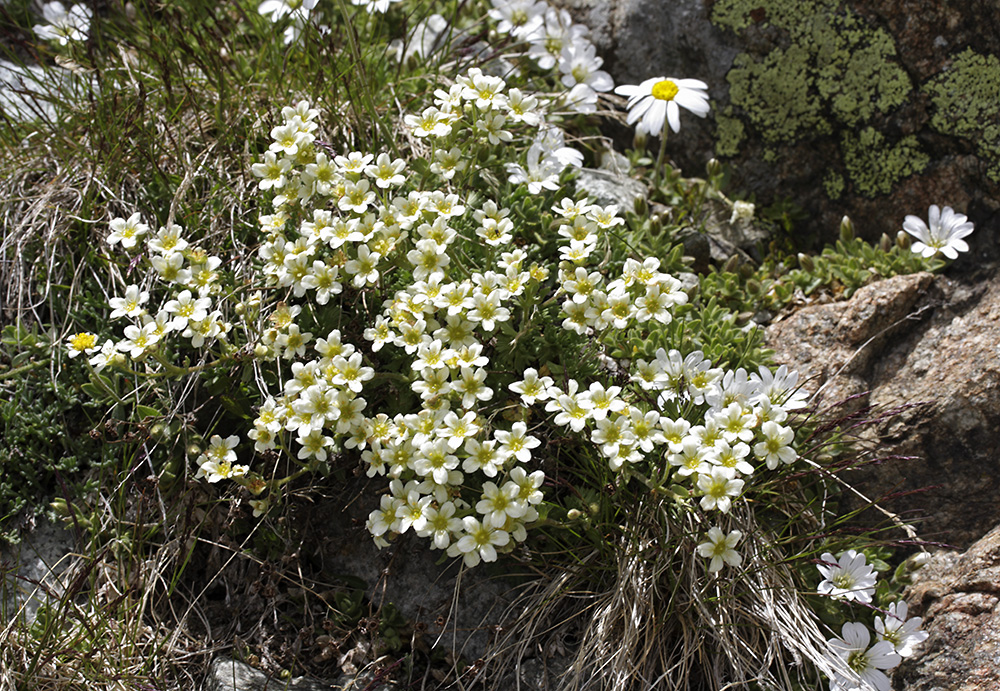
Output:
x=661 y=621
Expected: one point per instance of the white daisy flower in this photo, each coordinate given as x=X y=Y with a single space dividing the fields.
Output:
x=659 y=98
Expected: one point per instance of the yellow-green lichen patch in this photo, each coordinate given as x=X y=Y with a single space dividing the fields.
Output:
x=835 y=73
x=729 y=133
x=874 y=166
x=833 y=184
x=856 y=72
x=776 y=96
x=784 y=14
x=966 y=100
x=838 y=71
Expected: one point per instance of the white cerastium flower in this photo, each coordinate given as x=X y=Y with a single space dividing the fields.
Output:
x=904 y=634
x=865 y=664
x=659 y=98
x=64 y=26
x=942 y=234
x=849 y=578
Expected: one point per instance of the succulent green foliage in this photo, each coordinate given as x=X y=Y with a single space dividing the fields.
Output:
x=841 y=270
x=965 y=98
x=835 y=73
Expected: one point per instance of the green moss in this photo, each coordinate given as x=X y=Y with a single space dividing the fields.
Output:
x=965 y=99
x=836 y=73
x=874 y=166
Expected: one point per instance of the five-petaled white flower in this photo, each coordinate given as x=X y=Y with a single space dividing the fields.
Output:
x=849 y=578
x=904 y=634
x=943 y=234
x=721 y=548
x=865 y=664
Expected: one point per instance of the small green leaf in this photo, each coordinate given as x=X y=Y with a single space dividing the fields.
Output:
x=144 y=411
x=93 y=391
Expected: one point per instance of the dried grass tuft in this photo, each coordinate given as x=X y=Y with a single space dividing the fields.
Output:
x=661 y=621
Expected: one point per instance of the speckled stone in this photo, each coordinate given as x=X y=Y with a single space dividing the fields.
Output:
x=959 y=598
x=226 y=674
x=35 y=565
x=931 y=341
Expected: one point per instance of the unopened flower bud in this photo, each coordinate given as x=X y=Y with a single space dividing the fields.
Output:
x=918 y=560
x=159 y=431
x=713 y=168
x=574 y=514
x=903 y=240
x=260 y=351
x=640 y=206
x=885 y=243
x=846 y=229
x=806 y=262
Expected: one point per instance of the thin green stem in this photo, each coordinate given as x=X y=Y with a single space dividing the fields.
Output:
x=21 y=370
x=659 y=159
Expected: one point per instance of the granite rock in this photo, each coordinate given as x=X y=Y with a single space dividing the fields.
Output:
x=908 y=340
x=958 y=596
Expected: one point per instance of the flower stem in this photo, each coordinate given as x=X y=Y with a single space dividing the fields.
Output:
x=17 y=371
x=659 y=159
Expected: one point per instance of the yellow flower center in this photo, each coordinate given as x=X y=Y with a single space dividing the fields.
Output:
x=665 y=90
x=83 y=341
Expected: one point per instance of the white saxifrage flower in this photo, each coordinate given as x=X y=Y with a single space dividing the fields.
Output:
x=776 y=446
x=849 y=578
x=659 y=98
x=721 y=548
x=943 y=233
x=127 y=232
x=82 y=342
